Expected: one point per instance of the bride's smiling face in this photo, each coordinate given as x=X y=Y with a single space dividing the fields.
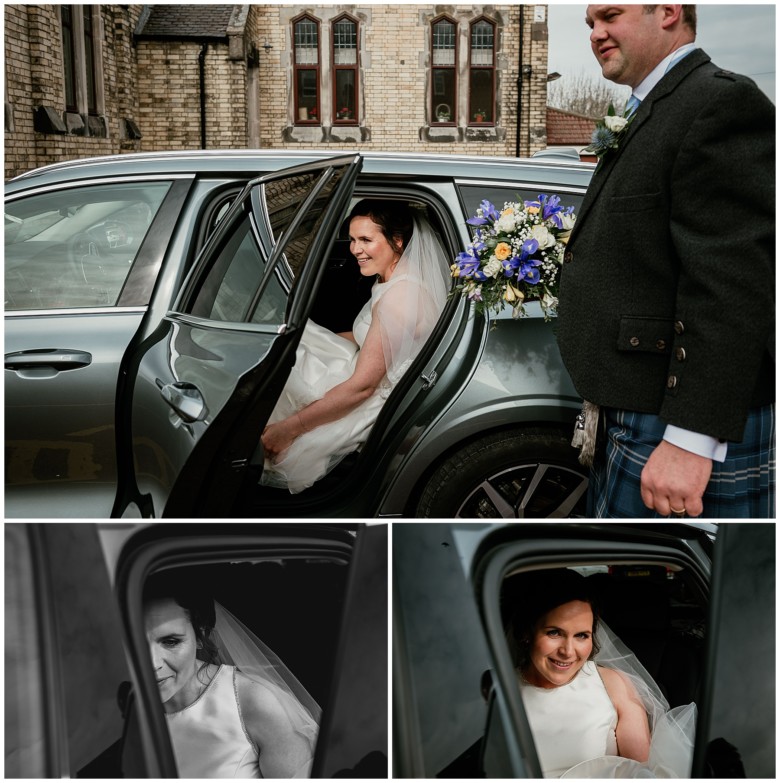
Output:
x=561 y=645
x=172 y=645
x=375 y=255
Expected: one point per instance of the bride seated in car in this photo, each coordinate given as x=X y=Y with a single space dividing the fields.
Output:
x=340 y=381
x=594 y=710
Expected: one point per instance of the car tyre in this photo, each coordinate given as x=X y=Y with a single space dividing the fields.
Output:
x=529 y=473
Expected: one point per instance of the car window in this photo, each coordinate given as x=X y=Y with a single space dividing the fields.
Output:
x=228 y=292
x=246 y=285
x=75 y=247
x=24 y=689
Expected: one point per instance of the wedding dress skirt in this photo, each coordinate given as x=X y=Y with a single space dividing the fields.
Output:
x=323 y=360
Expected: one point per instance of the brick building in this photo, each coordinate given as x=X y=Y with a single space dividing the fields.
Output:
x=569 y=129
x=88 y=80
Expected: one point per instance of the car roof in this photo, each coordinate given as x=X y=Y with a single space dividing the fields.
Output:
x=245 y=163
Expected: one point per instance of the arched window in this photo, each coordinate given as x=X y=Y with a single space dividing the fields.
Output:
x=345 y=70
x=482 y=72
x=306 y=57
x=444 y=100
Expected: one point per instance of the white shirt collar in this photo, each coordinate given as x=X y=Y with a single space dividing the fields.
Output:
x=655 y=76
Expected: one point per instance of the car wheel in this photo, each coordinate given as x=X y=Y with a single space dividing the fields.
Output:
x=527 y=473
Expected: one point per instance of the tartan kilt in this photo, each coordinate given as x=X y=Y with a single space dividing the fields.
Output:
x=742 y=487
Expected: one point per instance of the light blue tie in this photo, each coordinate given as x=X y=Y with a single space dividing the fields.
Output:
x=632 y=105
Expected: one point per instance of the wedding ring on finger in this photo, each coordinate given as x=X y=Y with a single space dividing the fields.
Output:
x=678 y=513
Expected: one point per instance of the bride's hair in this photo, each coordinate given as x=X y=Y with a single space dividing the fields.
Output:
x=527 y=597
x=393 y=217
x=197 y=605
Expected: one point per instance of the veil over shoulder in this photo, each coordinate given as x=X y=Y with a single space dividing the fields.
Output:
x=672 y=731
x=241 y=648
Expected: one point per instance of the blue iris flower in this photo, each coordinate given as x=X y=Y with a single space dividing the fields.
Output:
x=489 y=214
x=529 y=272
x=529 y=247
x=550 y=208
x=510 y=266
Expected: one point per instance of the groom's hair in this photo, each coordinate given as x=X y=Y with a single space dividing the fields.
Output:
x=393 y=217
x=688 y=15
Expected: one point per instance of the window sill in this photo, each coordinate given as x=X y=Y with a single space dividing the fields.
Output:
x=326 y=134
x=439 y=133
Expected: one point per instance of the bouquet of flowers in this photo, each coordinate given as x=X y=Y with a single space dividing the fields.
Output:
x=516 y=255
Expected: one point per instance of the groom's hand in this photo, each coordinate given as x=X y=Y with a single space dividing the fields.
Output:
x=674 y=480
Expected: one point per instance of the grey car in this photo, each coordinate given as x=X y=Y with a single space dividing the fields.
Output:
x=153 y=306
x=695 y=602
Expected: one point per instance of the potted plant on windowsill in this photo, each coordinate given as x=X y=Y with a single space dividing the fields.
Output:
x=344 y=114
x=443 y=113
x=479 y=115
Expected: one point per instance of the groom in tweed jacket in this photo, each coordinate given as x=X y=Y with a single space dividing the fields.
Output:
x=666 y=314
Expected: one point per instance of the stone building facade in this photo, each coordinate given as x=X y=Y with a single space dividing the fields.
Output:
x=106 y=79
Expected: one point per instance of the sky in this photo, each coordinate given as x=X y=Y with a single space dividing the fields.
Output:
x=739 y=38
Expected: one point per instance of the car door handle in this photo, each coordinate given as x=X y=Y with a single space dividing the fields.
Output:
x=186 y=400
x=56 y=358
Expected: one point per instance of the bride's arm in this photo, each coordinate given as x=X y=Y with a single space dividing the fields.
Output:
x=283 y=753
x=633 y=729
x=340 y=400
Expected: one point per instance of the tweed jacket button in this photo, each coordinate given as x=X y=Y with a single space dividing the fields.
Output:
x=660 y=345
x=634 y=342
x=680 y=354
x=679 y=327
x=568 y=257
x=671 y=382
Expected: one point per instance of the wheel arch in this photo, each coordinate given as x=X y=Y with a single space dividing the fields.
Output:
x=463 y=431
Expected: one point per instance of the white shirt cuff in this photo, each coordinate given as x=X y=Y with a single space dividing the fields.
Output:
x=695 y=442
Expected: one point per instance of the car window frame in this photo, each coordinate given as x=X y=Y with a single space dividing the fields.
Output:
x=177 y=545
x=495 y=563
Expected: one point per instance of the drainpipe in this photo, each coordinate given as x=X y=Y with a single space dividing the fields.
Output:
x=202 y=79
x=519 y=84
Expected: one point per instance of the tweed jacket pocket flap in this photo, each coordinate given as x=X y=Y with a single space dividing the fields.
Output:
x=641 y=202
x=648 y=334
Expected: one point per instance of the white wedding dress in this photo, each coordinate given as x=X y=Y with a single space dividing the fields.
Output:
x=406 y=308
x=574 y=725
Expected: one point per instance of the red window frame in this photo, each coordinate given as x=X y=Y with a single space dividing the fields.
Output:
x=305 y=101
x=448 y=70
x=343 y=113
x=490 y=70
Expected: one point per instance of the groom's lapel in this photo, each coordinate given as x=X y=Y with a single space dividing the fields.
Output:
x=662 y=90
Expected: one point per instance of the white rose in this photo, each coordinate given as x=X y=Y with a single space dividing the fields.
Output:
x=568 y=221
x=615 y=124
x=505 y=223
x=493 y=267
x=542 y=236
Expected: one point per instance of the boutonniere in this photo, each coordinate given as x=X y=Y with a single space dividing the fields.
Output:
x=609 y=132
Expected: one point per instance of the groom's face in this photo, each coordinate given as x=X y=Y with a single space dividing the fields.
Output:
x=627 y=41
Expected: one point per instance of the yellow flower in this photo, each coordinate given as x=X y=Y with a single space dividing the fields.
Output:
x=507 y=211
x=532 y=210
x=563 y=237
x=455 y=270
x=512 y=294
x=503 y=251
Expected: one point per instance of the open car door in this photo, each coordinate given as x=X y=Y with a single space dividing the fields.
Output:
x=736 y=722
x=207 y=379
